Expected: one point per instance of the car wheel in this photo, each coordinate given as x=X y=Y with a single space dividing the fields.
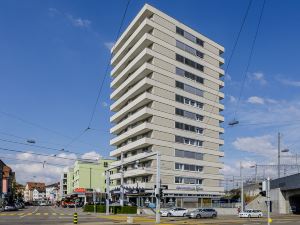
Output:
x=198 y=216
x=213 y=216
x=183 y=215
x=249 y=216
x=258 y=216
x=169 y=214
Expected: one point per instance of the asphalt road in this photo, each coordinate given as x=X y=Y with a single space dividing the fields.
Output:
x=46 y=215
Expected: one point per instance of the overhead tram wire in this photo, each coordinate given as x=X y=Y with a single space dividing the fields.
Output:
x=40 y=146
x=250 y=58
x=102 y=82
x=45 y=155
x=234 y=48
x=41 y=127
x=34 y=161
x=108 y=66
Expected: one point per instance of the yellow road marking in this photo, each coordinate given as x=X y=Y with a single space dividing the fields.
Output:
x=38 y=214
x=46 y=214
x=54 y=214
x=62 y=214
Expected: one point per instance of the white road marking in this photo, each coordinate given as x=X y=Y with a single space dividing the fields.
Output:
x=37 y=208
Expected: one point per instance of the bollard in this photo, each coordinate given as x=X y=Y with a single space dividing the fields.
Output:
x=75 y=220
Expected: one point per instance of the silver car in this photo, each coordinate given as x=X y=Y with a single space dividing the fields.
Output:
x=202 y=213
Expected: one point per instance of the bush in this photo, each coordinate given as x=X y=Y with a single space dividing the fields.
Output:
x=112 y=209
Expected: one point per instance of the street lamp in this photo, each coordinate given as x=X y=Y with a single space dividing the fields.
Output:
x=255 y=166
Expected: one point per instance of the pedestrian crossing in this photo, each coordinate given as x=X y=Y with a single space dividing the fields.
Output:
x=35 y=214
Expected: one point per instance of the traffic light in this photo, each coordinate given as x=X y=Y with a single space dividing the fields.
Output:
x=263 y=188
x=161 y=192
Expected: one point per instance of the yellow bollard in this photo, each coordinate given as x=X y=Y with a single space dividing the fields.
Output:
x=75 y=220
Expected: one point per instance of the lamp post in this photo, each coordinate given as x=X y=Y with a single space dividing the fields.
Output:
x=242 y=187
x=255 y=166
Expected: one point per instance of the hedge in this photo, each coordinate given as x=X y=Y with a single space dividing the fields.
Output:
x=112 y=209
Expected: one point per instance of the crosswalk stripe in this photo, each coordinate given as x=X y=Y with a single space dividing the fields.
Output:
x=38 y=214
x=46 y=214
x=54 y=214
x=62 y=214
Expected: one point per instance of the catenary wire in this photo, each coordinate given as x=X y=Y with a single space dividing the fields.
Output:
x=250 y=58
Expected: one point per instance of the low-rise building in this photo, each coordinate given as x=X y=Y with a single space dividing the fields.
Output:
x=85 y=178
x=38 y=194
x=33 y=190
x=52 y=192
x=6 y=183
x=63 y=185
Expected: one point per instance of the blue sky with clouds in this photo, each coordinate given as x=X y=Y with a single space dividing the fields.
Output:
x=53 y=56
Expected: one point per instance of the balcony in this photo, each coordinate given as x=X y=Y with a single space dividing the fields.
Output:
x=136 y=90
x=138 y=130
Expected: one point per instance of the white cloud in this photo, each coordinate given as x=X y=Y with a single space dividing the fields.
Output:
x=78 y=22
x=260 y=77
x=53 y=11
x=260 y=145
x=232 y=99
x=293 y=83
x=104 y=104
x=256 y=100
x=91 y=155
x=109 y=45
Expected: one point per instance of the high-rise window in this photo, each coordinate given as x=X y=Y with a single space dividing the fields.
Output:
x=187 y=180
x=188 y=141
x=189 y=88
x=189 y=62
x=189 y=75
x=187 y=127
x=189 y=36
x=189 y=49
x=188 y=101
x=188 y=154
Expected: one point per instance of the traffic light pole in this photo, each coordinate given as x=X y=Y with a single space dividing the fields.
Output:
x=107 y=192
x=268 y=200
x=157 y=191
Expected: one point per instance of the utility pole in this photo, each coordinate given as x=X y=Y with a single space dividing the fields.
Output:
x=242 y=187
x=122 y=181
x=90 y=177
x=107 y=192
x=157 y=190
x=278 y=172
x=255 y=173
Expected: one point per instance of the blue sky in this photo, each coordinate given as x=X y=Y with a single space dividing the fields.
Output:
x=53 y=56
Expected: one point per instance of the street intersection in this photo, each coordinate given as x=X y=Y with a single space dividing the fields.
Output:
x=48 y=215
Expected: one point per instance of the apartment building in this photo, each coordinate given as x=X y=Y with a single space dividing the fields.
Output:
x=63 y=185
x=166 y=90
x=33 y=190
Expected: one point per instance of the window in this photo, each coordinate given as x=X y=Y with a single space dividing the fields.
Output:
x=179 y=31
x=189 y=88
x=189 y=49
x=187 y=180
x=188 y=101
x=178 y=180
x=188 y=141
x=189 y=62
x=189 y=36
x=105 y=164
x=145 y=179
x=179 y=58
x=179 y=112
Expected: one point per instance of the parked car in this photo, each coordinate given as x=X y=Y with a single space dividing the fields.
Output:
x=11 y=207
x=202 y=213
x=251 y=213
x=174 y=212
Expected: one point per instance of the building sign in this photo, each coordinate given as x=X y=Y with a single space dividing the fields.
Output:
x=79 y=190
x=189 y=188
